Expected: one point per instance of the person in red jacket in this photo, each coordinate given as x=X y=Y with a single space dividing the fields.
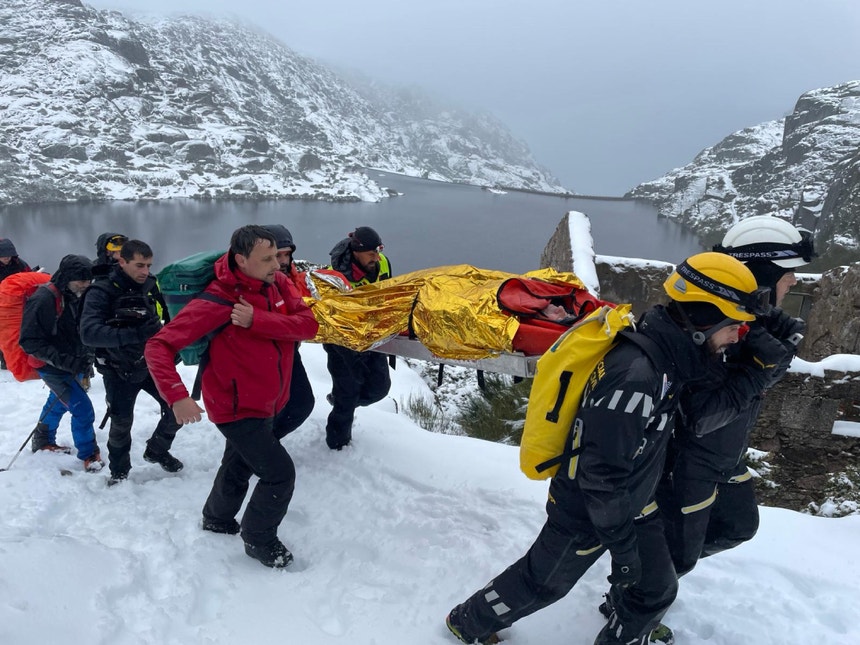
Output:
x=245 y=385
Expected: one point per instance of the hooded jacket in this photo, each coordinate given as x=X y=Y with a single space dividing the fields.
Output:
x=16 y=264
x=51 y=339
x=248 y=375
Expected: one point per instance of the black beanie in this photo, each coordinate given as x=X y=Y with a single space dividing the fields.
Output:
x=7 y=249
x=364 y=238
x=283 y=237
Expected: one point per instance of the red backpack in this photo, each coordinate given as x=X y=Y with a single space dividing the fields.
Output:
x=14 y=292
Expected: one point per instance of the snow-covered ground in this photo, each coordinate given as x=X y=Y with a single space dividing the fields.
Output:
x=388 y=535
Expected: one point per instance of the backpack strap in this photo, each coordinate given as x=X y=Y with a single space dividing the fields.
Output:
x=58 y=298
x=197 y=388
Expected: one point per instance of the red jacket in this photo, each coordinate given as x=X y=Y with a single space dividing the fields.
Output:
x=248 y=375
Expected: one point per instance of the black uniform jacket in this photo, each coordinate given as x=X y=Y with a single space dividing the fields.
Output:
x=118 y=317
x=623 y=427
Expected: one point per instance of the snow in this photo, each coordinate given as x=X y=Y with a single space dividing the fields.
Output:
x=582 y=250
x=388 y=535
x=846 y=428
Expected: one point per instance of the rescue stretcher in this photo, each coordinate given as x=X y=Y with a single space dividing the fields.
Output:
x=453 y=315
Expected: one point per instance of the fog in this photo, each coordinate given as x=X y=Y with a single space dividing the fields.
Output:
x=607 y=94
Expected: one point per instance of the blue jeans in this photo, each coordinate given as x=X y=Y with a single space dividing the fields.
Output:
x=67 y=395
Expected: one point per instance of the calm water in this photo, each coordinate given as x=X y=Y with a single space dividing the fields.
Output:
x=431 y=224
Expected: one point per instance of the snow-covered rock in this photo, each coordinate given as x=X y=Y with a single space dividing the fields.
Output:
x=805 y=168
x=94 y=105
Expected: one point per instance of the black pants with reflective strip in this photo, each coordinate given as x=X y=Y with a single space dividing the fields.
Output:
x=704 y=517
x=554 y=564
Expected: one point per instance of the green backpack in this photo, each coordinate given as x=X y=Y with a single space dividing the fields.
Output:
x=183 y=281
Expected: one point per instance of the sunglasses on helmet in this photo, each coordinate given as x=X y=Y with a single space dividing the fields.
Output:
x=756 y=302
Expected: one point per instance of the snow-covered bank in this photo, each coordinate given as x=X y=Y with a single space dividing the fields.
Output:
x=388 y=535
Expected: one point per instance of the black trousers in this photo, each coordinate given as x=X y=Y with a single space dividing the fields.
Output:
x=703 y=517
x=121 y=396
x=252 y=449
x=553 y=565
x=357 y=379
x=301 y=402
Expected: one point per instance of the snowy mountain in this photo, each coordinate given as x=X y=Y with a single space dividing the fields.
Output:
x=94 y=105
x=388 y=535
x=805 y=167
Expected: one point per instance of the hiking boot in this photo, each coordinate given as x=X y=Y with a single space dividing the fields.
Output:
x=117 y=478
x=274 y=554
x=53 y=447
x=94 y=463
x=230 y=527
x=40 y=437
x=661 y=635
x=454 y=624
x=164 y=459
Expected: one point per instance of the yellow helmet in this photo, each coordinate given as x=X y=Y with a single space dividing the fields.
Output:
x=720 y=280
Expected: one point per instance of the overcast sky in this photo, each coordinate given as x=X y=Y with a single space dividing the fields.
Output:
x=607 y=94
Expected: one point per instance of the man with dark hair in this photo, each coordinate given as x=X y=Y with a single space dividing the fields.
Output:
x=120 y=314
x=357 y=378
x=246 y=383
x=10 y=264
x=301 y=402
x=49 y=335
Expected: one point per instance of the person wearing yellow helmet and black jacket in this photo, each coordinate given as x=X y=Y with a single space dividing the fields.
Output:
x=602 y=498
x=708 y=493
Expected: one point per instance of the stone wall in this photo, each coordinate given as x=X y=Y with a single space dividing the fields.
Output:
x=797 y=417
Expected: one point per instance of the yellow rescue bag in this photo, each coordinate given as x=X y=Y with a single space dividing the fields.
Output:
x=561 y=376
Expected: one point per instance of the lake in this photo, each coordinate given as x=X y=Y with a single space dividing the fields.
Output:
x=430 y=224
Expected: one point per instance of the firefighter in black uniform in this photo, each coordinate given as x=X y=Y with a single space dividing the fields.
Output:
x=603 y=498
x=120 y=313
x=708 y=494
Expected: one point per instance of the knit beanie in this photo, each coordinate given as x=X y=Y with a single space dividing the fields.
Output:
x=364 y=238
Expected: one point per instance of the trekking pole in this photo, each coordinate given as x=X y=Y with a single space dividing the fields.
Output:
x=32 y=432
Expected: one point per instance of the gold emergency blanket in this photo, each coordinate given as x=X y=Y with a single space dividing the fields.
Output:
x=455 y=313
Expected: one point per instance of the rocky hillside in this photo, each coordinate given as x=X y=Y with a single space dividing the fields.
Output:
x=805 y=168
x=94 y=105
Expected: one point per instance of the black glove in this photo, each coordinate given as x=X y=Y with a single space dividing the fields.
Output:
x=626 y=570
x=784 y=327
x=149 y=329
x=761 y=350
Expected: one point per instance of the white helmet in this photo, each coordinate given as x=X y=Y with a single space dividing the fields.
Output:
x=765 y=237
